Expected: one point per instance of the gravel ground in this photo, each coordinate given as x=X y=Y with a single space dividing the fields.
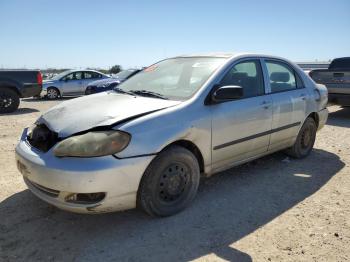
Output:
x=272 y=209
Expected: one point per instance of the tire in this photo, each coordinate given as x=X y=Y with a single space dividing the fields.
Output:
x=52 y=93
x=169 y=183
x=305 y=140
x=9 y=100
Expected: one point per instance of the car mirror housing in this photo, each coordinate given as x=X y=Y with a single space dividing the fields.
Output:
x=226 y=93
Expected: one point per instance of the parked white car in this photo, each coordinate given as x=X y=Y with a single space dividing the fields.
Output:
x=70 y=83
x=147 y=142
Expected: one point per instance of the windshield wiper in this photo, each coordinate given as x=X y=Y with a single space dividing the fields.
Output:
x=148 y=93
x=119 y=90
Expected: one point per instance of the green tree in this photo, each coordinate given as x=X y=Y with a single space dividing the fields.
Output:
x=115 y=69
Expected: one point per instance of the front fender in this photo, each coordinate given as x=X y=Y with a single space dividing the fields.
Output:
x=152 y=133
x=52 y=84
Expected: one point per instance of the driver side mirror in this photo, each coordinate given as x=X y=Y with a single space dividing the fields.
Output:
x=227 y=93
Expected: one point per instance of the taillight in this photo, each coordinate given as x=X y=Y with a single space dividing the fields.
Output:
x=39 y=78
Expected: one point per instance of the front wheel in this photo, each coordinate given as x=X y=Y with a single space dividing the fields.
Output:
x=169 y=183
x=305 y=140
x=52 y=93
x=9 y=100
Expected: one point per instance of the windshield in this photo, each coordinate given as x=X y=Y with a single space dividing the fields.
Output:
x=60 y=75
x=124 y=74
x=176 y=78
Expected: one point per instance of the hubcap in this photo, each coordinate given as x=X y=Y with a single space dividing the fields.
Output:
x=52 y=93
x=173 y=181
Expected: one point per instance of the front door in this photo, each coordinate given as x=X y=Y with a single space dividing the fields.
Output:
x=72 y=83
x=241 y=128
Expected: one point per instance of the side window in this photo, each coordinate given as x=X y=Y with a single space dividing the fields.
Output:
x=88 y=75
x=248 y=75
x=68 y=77
x=282 y=77
x=78 y=75
x=91 y=75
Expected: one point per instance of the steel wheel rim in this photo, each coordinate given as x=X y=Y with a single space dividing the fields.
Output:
x=306 y=138
x=173 y=182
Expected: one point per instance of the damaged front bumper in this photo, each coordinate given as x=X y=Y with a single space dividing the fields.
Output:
x=82 y=185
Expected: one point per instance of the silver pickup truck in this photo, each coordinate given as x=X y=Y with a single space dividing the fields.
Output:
x=337 y=79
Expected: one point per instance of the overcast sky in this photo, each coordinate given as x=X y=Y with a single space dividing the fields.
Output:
x=79 y=34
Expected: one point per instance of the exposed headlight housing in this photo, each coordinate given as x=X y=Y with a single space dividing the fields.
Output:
x=30 y=130
x=93 y=144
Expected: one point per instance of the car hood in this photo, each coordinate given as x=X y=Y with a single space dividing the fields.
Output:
x=103 y=109
x=49 y=82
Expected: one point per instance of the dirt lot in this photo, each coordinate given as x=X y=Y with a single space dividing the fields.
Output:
x=273 y=209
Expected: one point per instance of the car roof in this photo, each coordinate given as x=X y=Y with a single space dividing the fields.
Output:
x=82 y=70
x=217 y=54
x=230 y=55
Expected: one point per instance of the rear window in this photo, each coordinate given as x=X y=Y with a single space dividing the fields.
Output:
x=340 y=63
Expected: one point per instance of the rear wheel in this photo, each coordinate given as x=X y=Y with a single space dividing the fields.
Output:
x=52 y=93
x=305 y=140
x=9 y=100
x=169 y=183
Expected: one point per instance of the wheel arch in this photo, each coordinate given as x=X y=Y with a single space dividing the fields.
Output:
x=55 y=87
x=12 y=87
x=192 y=148
x=315 y=117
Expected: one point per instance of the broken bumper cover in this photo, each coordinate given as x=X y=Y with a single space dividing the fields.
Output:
x=55 y=179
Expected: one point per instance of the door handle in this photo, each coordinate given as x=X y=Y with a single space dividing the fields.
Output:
x=303 y=96
x=266 y=104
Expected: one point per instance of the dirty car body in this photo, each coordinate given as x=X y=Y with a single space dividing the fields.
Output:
x=220 y=133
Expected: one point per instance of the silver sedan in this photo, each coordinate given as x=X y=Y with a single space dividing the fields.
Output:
x=70 y=83
x=147 y=142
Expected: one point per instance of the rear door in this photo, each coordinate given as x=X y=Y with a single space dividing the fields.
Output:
x=240 y=128
x=289 y=98
x=89 y=76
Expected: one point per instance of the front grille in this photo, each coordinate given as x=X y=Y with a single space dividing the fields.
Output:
x=42 y=138
x=48 y=191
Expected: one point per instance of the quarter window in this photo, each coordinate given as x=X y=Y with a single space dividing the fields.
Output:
x=282 y=78
x=248 y=75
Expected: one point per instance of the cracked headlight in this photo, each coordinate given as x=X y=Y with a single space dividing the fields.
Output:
x=93 y=144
